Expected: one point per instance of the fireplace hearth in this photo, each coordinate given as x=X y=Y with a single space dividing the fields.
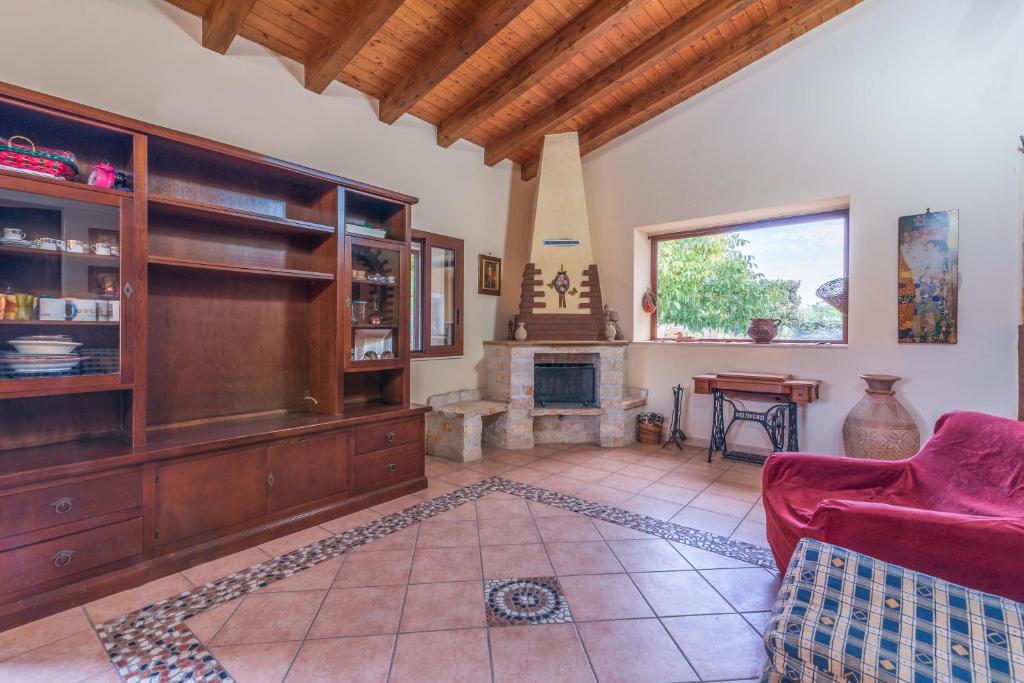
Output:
x=564 y=385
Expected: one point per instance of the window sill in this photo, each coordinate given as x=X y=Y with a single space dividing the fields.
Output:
x=748 y=345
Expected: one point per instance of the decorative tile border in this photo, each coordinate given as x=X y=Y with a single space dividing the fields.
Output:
x=152 y=644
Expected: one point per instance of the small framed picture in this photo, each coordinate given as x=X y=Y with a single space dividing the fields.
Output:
x=490 y=275
x=103 y=282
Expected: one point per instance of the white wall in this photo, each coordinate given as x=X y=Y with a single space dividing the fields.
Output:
x=142 y=58
x=900 y=105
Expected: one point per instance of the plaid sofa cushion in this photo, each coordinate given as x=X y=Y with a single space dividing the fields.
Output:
x=843 y=616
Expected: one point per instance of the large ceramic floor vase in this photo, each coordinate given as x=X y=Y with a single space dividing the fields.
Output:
x=879 y=426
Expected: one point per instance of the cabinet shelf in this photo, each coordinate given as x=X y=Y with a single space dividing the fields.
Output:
x=257 y=271
x=183 y=208
x=62 y=323
x=15 y=250
x=50 y=186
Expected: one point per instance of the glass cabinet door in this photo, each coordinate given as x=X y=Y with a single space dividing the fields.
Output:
x=60 y=287
x=375 y=307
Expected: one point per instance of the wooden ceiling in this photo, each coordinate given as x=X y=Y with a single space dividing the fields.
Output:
x=503 y=73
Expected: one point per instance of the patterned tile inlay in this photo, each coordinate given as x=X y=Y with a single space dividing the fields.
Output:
x=533 y=600
x=152 y=644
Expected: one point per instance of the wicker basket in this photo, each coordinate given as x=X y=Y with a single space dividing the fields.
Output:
x=834 y=293
x=649 y=427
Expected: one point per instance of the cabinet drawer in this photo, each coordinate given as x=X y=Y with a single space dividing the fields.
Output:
x=388 y=435
x=35 y=564
x=375 y=470
x=65 y=503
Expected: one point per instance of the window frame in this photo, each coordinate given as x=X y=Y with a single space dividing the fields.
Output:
x=429 y=240
x=761 y=224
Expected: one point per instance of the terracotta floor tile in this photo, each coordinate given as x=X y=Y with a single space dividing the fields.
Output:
x=270 y=618
x=42 y=631
x=516 y=459
x=399 y=504
x=586 y=557
x=509 y=531
x=113 y=606
x=624 y=457
x=539 y=654
x=642 y=472
x=543 y=510
x=359 y=612
x=723 y=505
x=606 y=495
x=712 y=522
x=625 y=483
x=703 y=559
x=688 y=479
x=634 y=651
x=572 y=457
x=438 y=487
x=617 y=532
x=749 y=590
x=605 y=464
x=551 y=466
x=442 y=657
x=385 y=568
x=70 y=658
x=257 y=663
x=585 y=474
x=526 y=475
x=436 y=469
x=105 y=676
x=603 y=596
x=206 y=624
x=704 y=639
x=512 y=561
x=464 y=512
x=342 y=524
x=756 y=514
x=648 y=555
x=759 y=620
x=748 y=492
x=318 y=577
x=286 y=544
x=500 y=508
x=490 y=467
x=652 y=507
x=398 y=540
x=664 y=462
x=673 y=494
x=366 y=659
x=218 y=569
x=567 y=529
x=436 y=606
x=561 y=484
x=434 y=565
x=441 y=534
x=673 y=594
x=749 y=532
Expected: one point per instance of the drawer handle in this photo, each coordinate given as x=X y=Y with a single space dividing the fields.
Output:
x=61 y=505
x=63 y=558
x=389 y=437
x=391 y=467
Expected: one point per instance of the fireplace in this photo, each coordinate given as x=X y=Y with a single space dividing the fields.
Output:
x=564 y=385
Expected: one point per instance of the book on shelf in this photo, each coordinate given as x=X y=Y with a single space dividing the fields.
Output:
x=365 y=230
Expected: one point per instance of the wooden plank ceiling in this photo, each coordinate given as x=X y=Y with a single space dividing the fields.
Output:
x=504 y=73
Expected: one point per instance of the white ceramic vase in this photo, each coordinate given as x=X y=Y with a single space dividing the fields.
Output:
x=520 y=334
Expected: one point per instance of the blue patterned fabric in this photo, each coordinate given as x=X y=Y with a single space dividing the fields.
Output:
x=843 y=616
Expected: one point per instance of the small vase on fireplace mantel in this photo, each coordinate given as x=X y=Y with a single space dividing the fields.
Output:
x=879 y=427
x=520 y=334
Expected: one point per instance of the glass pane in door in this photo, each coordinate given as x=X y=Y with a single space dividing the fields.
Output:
x=442 y=296
x=60 y=287
x=375 y=302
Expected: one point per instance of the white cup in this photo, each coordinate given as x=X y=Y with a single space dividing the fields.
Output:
x=14 y=234
x=100 y=249
x=76 y=246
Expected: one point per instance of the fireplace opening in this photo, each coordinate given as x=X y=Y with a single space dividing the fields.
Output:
x=564 y=385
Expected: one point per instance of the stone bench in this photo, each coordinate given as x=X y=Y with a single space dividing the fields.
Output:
x=455 y=427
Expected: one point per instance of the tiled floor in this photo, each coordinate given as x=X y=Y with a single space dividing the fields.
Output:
x=411 y=606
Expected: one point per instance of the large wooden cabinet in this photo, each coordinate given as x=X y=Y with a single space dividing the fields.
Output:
x=242 y=368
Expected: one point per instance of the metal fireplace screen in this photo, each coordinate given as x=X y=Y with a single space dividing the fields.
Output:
x=565 y=385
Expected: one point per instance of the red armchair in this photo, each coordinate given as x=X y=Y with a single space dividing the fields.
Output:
x=955 y=510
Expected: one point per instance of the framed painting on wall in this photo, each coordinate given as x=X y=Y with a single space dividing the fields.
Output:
x=490 y=275
x=929 y=250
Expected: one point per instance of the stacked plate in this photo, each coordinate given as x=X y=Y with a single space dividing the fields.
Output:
x=16 y=242
x=43 y=355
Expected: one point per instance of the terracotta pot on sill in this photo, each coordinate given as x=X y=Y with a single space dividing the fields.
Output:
x=879 y=426
x=763 y=330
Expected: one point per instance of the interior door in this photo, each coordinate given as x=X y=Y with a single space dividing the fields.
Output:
x=308 y=470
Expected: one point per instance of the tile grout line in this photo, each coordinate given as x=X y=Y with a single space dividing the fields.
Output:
x=405 y=597
x=483 y=589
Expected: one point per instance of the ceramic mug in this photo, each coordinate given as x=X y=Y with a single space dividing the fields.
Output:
x=115 y=250
x=14 y=234
x=10 y=307
x=101 y=249
x=50 y=244
x=76 y=246
x=26 y=305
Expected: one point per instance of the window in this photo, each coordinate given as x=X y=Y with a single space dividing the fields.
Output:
x=711 y=282
x=436 y=291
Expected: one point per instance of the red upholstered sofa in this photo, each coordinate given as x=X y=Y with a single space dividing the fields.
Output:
x=955 y=510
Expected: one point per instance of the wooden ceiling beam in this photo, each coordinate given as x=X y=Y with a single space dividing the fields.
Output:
x=657 y=48
x=565 y=44
x=222 y=21
x=449 y=56
x=708 y=70
x=365 y=18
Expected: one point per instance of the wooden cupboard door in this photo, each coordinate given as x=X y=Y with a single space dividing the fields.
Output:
x=308 y=470
x=197 y=496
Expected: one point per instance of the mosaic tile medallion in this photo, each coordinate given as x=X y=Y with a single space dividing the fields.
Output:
x=533 y=600
x=154 y=644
